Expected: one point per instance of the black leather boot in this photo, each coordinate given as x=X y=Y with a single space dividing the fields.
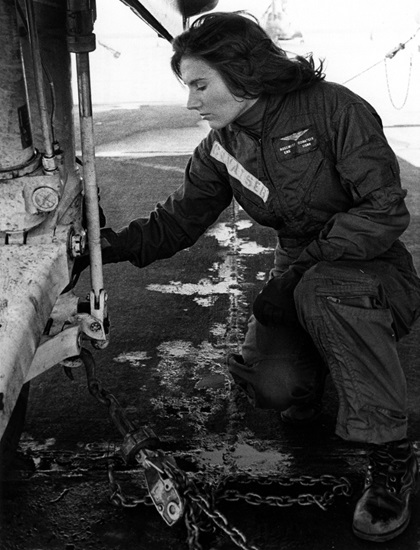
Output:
x=302 y=415
x=305 y=414
x=384 y=510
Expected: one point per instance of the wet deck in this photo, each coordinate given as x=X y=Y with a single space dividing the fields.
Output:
x=172 y=325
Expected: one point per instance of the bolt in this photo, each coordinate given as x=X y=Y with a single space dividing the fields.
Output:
x=173 y=510
x=95 y=326
x=45 y=198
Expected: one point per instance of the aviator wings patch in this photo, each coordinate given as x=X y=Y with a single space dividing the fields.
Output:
x=295 y=136
x=298 y=143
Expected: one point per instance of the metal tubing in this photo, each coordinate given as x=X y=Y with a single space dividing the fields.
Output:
x=50 y=17
x=89 y=172
x=39 y=83
x=16 y=148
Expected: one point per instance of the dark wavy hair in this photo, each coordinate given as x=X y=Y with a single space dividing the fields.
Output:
x=247 y=59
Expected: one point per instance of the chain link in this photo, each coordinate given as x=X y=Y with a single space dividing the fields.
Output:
x=201 y=514
x=117 y=496
x=192 y=524
x=201 y=501
x=105 y=397
x=398 y=108
x=220 y=521
x=338 y=487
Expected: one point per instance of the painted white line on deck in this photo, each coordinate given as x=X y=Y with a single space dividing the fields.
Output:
x=405 y=142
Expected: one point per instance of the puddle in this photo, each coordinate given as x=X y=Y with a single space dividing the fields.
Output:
x=243 y=224
x=135 y=358
x=205 y=287
x=27 y=443
x=246 y=456
x=226 y=235
x=196 y=398
x=250 y=248
x=226 y=274
x=218 y=330
x=178 y=356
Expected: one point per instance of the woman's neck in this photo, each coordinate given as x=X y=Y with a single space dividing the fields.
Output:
x=252 y=119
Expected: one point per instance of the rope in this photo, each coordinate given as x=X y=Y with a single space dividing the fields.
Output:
x=363 y=72
x=389 y=55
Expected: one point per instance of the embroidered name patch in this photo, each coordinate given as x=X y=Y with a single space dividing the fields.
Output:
x=298 y=143
x=236 y=170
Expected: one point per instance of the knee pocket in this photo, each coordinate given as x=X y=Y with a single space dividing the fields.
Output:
x=338 y=282
x=368 y=285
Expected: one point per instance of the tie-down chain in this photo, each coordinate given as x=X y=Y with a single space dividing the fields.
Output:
x=178 y=494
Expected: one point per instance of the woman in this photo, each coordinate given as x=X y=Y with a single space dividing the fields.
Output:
x=309 y=159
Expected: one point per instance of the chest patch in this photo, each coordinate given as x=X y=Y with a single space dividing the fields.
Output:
x=298 y=143
x=236 y=170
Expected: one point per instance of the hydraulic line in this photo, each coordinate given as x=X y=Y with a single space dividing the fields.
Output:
x=49 y=158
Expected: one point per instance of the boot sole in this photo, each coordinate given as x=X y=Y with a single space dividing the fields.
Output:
x=383 y=538
x=301 y=422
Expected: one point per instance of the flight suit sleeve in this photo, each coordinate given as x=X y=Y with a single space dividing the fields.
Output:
x=181 y=219
x=369 y=172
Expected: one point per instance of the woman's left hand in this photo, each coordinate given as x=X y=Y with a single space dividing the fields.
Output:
x=275 y=304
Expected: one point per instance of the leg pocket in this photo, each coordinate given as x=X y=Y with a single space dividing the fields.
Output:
x=365 y=367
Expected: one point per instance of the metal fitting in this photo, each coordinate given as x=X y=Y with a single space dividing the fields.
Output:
x=100 y=344
x=143 y=438
x=78 y=243
x=81 y=15
x=45 y=198
x=49 y=164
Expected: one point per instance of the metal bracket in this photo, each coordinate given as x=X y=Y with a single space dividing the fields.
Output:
x=162 y=489
x=95 y=325
x=54 y=349
x=26 y=201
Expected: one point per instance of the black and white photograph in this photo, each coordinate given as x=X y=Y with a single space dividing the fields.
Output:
x=209 y=275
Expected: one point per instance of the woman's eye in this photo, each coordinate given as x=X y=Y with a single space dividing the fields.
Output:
x=201 y=88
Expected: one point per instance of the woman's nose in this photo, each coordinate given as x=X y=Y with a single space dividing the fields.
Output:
x=192 y=102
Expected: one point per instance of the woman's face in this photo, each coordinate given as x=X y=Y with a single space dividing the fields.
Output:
x=209 y=95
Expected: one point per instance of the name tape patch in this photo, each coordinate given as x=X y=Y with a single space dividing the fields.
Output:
x=236 y=170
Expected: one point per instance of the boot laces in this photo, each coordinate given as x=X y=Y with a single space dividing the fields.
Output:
x=388 y=469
